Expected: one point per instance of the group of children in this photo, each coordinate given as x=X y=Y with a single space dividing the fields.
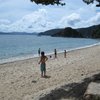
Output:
x=43 y=60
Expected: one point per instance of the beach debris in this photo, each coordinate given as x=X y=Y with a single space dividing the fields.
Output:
x=33 y=81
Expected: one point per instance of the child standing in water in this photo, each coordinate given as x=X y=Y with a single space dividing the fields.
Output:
x=39 y=52
x=42 y=61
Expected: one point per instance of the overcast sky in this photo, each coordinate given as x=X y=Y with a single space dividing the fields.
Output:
x=25 y=16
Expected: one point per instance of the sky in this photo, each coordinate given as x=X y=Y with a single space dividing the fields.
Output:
x=25 y=16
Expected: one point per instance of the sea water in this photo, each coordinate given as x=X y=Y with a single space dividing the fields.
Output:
x=26 y=46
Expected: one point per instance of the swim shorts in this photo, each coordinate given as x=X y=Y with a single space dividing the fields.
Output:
x=43 y=67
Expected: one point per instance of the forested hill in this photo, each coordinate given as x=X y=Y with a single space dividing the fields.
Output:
x=88 y=32
x=50 y=32
x=68 y=32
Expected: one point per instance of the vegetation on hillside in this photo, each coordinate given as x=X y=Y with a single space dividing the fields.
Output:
x=96 y=33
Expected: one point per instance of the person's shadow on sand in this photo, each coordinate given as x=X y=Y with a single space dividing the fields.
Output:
x=46 y=76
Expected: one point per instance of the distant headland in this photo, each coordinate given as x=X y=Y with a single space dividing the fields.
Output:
x=88 y=32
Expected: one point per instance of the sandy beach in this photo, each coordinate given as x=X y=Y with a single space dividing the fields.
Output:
x=21 y=80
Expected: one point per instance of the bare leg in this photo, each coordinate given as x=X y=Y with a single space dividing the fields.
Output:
x=41 y=74
x=44 y=73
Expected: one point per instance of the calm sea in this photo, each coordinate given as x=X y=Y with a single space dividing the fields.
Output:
x=12 y=46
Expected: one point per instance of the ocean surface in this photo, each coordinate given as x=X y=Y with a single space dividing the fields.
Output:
x=13 y=47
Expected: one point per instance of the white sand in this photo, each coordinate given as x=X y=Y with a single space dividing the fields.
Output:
x=22 y=78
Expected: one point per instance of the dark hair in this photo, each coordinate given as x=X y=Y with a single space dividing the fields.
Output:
x=42 y=53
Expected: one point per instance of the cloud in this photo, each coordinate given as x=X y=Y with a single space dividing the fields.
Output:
x=39 y=21
x=15 y=9
x=4 y=21
x=70 y=20
x=35 y=22
x=95 y=19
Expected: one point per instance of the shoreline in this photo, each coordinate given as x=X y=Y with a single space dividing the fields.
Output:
x=26 y=57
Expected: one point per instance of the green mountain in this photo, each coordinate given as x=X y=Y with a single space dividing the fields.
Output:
x=88 y=32
x=50 y=32
x=68 y=32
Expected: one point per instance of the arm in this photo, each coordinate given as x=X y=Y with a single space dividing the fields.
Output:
x=46 y=58
x=39 y=61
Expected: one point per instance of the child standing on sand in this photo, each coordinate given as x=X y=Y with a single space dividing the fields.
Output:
x=42 y=61
x=55 y=53
x=65 y=53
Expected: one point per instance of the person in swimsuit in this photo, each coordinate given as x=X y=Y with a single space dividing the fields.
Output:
x=65 y=53
x=39 y=51
x=42 y=63
x=55 y=53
